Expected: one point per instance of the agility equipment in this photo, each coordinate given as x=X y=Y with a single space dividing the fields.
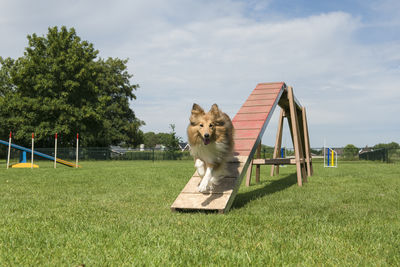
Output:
x=33 y=142
x=77 y=150
x=27 y=150
x=250 y=123
x=330 y=157
x=55 y=151
x=9 y=150
x=23 y=162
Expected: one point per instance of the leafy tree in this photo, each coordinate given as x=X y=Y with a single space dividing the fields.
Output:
x=59 y=85
x=172 y=143
x=170 y=140
x=350 y=152
x=150 y=139
x=392 y=145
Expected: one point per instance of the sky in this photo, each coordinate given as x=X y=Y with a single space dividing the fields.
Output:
x=341 y=57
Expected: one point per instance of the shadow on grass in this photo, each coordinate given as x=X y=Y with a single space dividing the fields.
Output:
x=271 y=188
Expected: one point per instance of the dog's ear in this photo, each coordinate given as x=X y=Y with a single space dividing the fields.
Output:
x=197 y=110
x=215 y=110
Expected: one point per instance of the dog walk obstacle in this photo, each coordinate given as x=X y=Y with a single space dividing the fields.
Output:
x=250 y=123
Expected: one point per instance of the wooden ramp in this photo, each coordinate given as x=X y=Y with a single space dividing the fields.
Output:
x=250 y=123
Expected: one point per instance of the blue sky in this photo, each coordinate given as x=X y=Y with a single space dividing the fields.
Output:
x=341 y=57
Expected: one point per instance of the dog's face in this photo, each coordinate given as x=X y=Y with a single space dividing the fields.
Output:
x=202 y=127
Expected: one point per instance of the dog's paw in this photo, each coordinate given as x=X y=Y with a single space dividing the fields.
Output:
x=202 y=188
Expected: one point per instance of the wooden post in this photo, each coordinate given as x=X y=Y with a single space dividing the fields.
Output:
x=33 y=142
x=278 y=143
x=248 y=173
x=258 y=155
x=55 y=152
x=9 y=151
x=307 y=144
x=296 y=139
x=77 y=149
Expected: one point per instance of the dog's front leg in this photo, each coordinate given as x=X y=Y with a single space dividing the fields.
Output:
x=199 y=164
x=206 y=179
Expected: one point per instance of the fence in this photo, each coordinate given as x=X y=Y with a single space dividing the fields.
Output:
x=104 y=153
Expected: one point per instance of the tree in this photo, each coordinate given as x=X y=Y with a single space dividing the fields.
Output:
x=150 y=139
x=350 y=152
x=169 y=140
x=392 y=145
x=172 y=143
x=59 y=85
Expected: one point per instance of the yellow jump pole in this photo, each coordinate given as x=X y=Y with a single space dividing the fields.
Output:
x=9 y=151
x=332 y=157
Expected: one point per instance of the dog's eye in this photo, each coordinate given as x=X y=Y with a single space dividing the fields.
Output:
x=201 y=125
x=211 y=125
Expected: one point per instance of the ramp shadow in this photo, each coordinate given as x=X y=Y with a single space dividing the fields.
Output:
x=271 y=188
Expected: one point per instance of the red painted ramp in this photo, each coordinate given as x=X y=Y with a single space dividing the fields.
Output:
x=250 y=123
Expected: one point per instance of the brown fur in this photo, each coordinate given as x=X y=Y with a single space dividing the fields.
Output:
x=218 y=147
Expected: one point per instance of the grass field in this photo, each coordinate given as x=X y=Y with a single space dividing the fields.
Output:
x=117 y=214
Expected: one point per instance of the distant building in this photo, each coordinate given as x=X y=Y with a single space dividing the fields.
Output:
x=184 y=146
x=159 y=147
x=365 y=149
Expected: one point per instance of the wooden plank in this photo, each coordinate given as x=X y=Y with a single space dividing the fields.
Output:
x=265 y=91
x=244 y=144
x=246 y=134
x=278 y=143
x=269 y=86
x=250 y=117
x=248 y=124
x=296 y=137
x=258 y=155
x=255 y=109
x=307 y=144
x=259 y=102
x=198 y=201
x=248 y=174
x=275 y=161
x=262 y=97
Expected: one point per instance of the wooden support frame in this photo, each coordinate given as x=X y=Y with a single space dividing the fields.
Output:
x=309 y=166
x=297 y=120
x=278 y=142
x=250 y=123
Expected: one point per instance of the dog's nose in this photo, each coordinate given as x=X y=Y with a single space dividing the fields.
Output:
x=207 y=135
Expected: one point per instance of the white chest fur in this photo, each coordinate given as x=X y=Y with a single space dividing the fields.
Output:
x=211 y=153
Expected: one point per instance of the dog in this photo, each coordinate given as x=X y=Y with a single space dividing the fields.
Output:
x=210 y=137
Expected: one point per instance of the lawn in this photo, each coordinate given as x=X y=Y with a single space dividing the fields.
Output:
x=116 y=213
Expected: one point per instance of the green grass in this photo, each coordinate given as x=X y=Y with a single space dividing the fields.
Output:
x=117 y=214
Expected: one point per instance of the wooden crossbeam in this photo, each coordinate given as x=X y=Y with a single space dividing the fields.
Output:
x=276 y=161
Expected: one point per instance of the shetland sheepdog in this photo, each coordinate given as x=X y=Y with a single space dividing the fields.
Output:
x=210 y=137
